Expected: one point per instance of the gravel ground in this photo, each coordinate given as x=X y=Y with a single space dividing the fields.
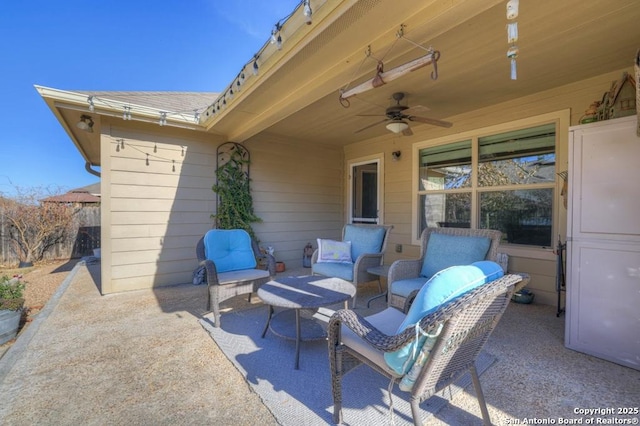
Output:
x=41 y=281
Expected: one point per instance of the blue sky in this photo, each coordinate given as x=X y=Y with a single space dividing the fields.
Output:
x=197 y=45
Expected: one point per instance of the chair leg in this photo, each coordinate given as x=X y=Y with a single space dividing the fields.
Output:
x=480 y=395
x=336 y=387
x=415 y=411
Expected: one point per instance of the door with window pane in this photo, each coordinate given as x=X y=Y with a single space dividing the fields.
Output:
x=364 y=193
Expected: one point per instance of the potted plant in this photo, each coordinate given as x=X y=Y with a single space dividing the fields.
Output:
x=11 y=306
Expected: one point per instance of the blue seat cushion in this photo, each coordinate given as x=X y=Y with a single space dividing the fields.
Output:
x=337 y=270
x=229 y=249
x=444 y=251
x=364 y=239
x=405 y=287
x=442 y=288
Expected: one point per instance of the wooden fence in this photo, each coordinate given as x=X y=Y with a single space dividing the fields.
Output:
x=84 y=238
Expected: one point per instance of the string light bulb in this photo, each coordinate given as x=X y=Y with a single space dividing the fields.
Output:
x=256 y=69
x=307 y=12
x=279 y=42
x=92 y=107
x=126 y=115
x=163 y=119
x=275 y=33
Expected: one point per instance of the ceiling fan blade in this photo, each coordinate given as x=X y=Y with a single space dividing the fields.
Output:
x=407 y=131
x=432 y=121
x=370 y=125
x=417 y=110
x=370 y=115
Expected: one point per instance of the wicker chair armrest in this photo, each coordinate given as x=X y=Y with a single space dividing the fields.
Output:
x=404 y=269
x=363 y=329
x=386 y=343
x=212 y=272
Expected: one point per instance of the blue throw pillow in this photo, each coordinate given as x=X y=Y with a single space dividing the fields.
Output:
x=229 y=249
x=443 y=287
x=444 y=251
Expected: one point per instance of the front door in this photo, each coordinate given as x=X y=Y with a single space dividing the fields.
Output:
x=364 y=187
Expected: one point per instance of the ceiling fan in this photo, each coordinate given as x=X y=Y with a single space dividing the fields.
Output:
x=397 y=116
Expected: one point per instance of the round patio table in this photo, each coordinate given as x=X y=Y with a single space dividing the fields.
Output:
x=296 y=293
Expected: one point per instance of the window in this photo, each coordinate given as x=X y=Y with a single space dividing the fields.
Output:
x=502 y=181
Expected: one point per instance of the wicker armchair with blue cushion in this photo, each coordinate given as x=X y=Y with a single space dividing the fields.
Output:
x=440 y=248
x=433 y=344
x=362 y=247
x=230 y=258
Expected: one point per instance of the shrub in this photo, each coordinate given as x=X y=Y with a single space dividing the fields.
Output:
x=11 y=293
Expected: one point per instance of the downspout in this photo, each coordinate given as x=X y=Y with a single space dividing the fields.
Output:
x=87 y=167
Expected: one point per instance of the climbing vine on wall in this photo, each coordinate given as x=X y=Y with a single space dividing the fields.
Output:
x=234 y=201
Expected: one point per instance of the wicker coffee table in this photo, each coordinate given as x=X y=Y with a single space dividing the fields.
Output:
x=295 y=294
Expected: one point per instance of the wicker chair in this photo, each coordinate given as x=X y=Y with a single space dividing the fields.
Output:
x=225 y=285
x=410 y=268
x=356 y=272
x=467 y=323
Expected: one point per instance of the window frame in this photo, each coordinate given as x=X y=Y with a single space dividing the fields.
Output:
x=561 y=119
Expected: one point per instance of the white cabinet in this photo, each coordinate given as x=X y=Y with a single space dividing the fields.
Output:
x=603 y=241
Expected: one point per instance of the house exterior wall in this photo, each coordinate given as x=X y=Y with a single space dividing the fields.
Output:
x=153 y=216
x=569 y=101
x=297 y=191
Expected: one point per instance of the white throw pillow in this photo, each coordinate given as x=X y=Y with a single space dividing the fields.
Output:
x=331 y=251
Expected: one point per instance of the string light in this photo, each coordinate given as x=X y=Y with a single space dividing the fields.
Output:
x=92 y=107
x=276 y=38
x=126 y=115
x=163 y=119
x=120 y=144
x=196 y=116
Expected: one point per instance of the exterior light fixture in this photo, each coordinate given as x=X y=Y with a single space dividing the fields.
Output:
x=85 y=123
x=397 y=126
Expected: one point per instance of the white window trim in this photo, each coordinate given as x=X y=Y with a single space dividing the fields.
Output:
x=561 y=118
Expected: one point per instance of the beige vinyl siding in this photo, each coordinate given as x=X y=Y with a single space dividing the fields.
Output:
x=298 y=193
x=153 y=216
x=399 y=193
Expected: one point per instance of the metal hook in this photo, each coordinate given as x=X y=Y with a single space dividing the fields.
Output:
x=343 y=101
x=436 y=56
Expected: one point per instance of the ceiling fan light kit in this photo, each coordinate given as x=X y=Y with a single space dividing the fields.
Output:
x=397 y=126
x=397 y=117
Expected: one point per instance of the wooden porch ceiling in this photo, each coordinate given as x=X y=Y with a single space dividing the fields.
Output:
x=560 y=42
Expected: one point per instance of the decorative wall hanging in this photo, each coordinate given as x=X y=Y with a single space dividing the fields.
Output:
x=512 y=35
x=234 y=203
x=382 y=77
x=620 y=100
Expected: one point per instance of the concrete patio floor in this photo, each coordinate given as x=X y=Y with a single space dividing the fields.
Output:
x=142 y=358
